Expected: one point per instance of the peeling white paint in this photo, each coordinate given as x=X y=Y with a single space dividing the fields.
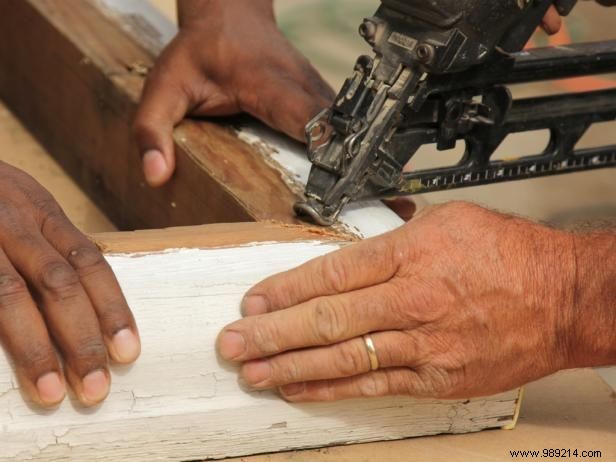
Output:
x=179 y=402
x=365 y=219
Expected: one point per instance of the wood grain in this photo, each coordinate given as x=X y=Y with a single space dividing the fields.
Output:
x=78 y=94
x=210 y=236
x=179 y=401
x=73 y=77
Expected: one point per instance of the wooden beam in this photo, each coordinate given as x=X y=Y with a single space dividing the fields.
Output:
x=208 y=237
x=72 y=77
x=179 y=402
x=73 y=74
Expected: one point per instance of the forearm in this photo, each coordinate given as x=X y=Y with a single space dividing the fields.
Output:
x=593 y=340
x=194 y=11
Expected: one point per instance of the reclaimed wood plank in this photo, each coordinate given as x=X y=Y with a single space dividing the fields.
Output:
x=179 y=402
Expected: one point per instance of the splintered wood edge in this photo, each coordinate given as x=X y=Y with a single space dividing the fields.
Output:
x=212 y=236
x=518 y=409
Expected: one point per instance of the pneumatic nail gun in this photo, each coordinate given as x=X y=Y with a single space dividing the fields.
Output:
x=442 y=72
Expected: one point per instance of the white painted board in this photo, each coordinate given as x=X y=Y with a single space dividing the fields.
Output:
x=179 y=402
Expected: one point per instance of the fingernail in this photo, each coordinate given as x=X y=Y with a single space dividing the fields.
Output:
x=50 y=388
x=257 y=372
x=254 y=305
x=95 y=386
x=231 y=345
x=154 y=166
x=293 y=389
x=126 y=346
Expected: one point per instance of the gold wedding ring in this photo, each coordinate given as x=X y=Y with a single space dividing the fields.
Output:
x=374 y=359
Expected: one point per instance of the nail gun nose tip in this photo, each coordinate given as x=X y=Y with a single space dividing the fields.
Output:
x=308 y=211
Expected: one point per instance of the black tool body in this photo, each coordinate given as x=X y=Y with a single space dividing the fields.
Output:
x=440 y=74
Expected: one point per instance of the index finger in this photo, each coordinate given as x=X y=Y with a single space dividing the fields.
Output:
x=354 y=267
x=318 y=322
x=96 y=276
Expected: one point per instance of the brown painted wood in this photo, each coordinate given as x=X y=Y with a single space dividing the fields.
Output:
x=74 y=78
x=209 y=236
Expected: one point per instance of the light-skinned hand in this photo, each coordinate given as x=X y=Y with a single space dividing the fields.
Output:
x=460 y=302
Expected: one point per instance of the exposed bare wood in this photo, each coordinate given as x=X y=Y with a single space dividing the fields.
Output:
x=209 y=236
x=179 y=402
x=74 y=77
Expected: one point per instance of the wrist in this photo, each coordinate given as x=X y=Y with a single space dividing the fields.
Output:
x=198 y=12
x=551 y=271
x=593 y=330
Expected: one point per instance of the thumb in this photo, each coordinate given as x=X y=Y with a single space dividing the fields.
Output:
x=552 y=22
x=404 y=207
x=163 y=105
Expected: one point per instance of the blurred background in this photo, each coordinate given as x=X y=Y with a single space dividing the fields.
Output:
x=326 y=31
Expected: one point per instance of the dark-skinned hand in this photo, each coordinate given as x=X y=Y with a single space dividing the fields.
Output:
x=57 y=292
x=228 y=57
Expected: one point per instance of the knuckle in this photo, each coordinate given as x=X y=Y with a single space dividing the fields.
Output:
x=287 y=372
x=270 y=103
x=328 y=322
x=59 y=279
x=440 y=382
x=38 y=357
x=398 y=253
x=90 y=350
x=12 y=288
x=399 y=302
x=459 y=209
x=47 y=206
x=265 y=337
x=333 y=274
x=251 y=102
x=328 y=391
x=23 y=238
x=115 y=316
x=397 y=352
x=406 y=382
x=350 y=359
x=142 y=126
x=379 y=250
x=87 y=260
x=429 y=382
x=373 y=385
x=11 y=216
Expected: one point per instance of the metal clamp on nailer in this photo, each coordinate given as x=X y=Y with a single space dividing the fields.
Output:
x=441 y=74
